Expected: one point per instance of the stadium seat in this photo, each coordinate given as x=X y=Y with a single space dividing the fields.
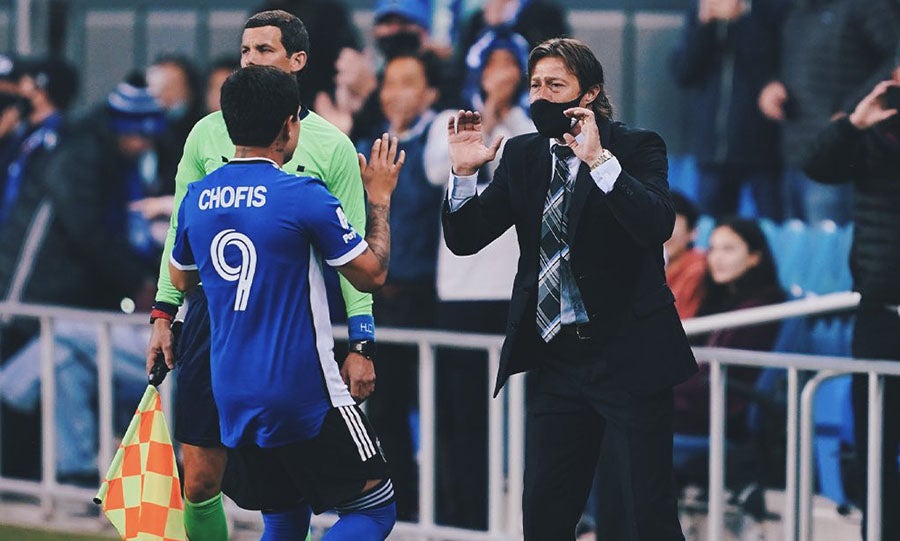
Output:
x=705 y=225
x=830 y=410
x=791 y=249
x=683 y=176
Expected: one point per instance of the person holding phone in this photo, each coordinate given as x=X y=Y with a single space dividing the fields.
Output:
x=863 y=148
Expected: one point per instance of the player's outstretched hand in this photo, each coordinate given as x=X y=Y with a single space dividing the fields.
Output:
x=380 y=171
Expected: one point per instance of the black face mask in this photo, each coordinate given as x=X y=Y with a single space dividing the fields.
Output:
x=399 y=43
x=549 y=119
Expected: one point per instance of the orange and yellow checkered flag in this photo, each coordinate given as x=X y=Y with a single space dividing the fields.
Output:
x=141 y=494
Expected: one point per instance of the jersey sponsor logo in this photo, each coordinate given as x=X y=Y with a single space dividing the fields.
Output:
x=228 y=197
x=243 y=273
x=345 y=223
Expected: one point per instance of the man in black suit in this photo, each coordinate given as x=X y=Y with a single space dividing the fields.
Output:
x=590 y=314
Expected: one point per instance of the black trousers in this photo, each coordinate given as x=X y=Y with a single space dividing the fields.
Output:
x=876 y=335
x=570 y=414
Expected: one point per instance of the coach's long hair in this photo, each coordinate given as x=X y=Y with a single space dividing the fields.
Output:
x=582 y=62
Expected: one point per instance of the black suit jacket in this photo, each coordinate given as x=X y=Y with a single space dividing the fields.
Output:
x=615 y=242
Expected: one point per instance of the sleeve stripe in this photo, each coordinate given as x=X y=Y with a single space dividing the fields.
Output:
x=179 y=266
x=349 y=256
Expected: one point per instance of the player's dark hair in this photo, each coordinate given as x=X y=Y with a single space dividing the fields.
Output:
x=256 y=100
x=294 y=36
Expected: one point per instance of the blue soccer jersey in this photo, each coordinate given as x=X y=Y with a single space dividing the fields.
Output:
x=257 y=236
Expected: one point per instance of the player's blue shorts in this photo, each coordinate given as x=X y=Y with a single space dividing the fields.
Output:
x=196 y=415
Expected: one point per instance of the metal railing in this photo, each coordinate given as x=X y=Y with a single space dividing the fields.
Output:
x=506 y=415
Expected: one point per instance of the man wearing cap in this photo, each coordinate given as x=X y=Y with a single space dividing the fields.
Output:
x=13 y=110
x=46 y=88
x=29 y=123
x=64 y=239
x=83 y=187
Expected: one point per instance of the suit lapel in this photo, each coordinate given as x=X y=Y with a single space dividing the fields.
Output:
x=584 y=183
x=538 y=165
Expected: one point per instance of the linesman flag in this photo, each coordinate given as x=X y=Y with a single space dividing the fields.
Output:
x=141 y=494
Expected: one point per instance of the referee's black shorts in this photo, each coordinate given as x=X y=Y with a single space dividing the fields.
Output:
x=196 y=415
x=323 y=472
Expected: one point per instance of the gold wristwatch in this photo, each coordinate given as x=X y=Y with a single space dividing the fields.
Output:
x=605 y=155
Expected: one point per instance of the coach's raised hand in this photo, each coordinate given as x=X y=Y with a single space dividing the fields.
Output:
x=467 y=150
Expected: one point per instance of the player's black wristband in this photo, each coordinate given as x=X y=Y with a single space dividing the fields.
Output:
x=162 y=310
x=366 y=348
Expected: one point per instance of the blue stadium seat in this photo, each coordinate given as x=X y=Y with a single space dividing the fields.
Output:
x=791 y=249
x=844 y=280
x=683 y=176
x=794 y=336
x=830 y=419
x=705 y=225
x=821 y=267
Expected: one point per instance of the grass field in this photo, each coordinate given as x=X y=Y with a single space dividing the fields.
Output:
x=9 y=533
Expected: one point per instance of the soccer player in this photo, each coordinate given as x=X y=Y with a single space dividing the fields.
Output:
x=278 y=39
x=256 y=236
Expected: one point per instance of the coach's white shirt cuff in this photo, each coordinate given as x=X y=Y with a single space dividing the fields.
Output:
x=461 y=189
x=605 y=174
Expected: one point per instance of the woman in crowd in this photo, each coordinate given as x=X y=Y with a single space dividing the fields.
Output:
x=740 y=274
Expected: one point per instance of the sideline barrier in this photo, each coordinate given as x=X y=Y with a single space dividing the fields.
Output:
x=506 y=414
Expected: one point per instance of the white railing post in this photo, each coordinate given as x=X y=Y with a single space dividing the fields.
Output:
x=516 y=453
x=874 y=458
x=718 y=377
x=806 y=483
x=495 y=447
x=426 y=433
x=792 y=434
x=48 y=417
x=105 y=397
x=23 y=27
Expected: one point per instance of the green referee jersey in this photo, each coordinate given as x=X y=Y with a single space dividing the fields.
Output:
x=323 y=152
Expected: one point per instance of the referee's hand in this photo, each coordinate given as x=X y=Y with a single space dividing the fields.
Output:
x=359 y=375
x=161 y=341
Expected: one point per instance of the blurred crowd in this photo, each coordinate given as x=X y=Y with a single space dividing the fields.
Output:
x=85 y=199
